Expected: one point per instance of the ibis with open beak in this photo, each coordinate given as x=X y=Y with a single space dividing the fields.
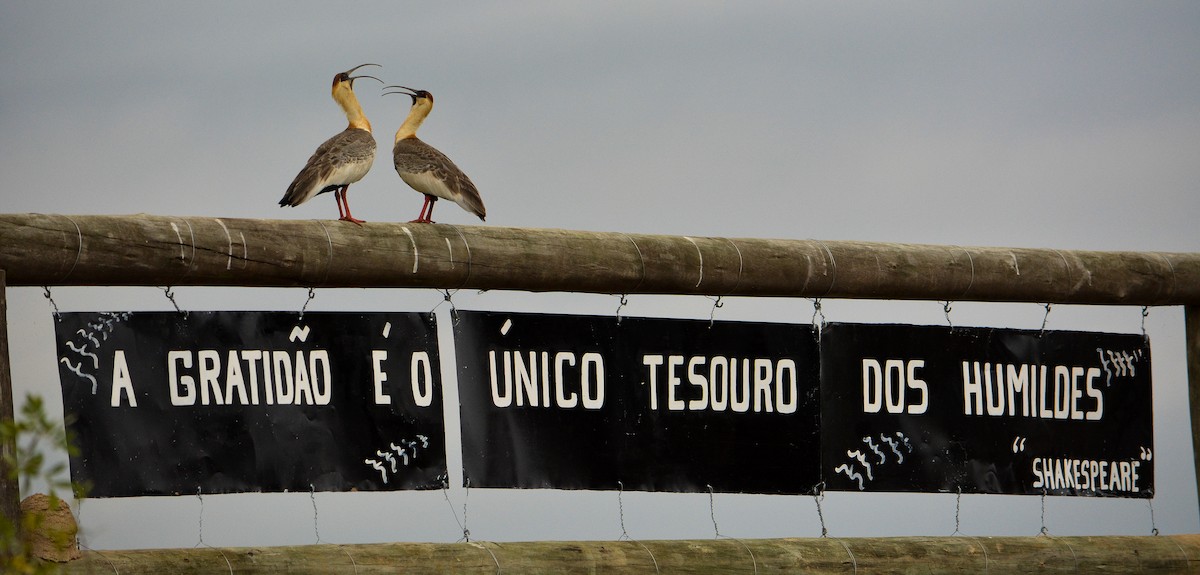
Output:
x=342 y=159
x=424 y=168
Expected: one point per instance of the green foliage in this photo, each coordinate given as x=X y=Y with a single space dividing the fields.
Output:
x=34 y=435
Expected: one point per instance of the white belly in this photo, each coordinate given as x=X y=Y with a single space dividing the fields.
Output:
x=427 y=183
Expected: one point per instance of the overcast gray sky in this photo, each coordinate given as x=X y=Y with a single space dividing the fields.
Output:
x=1027 y=124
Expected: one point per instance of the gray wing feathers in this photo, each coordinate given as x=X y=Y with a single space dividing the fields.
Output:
x=413 y=156
x=332 y=159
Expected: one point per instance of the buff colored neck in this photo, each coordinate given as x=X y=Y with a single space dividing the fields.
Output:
x=420 y=110
x=343 y=94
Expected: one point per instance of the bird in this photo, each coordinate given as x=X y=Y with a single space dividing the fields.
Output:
x=427 y=170
x=343 y=159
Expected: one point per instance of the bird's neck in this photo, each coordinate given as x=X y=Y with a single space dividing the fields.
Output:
x=349 y=103
x=415 y=117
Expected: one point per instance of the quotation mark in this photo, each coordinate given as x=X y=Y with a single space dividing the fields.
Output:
x=1019 y=444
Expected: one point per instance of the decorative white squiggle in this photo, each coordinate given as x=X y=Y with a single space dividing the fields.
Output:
x=871 y=444
x=858 y=457
x=892 y=443
x=108 y=319
x=400 y=451
x=852 y=474
x=101 y=326
x=862 y=460
x=406 y=451
x=89 y=335
x=387 y=455
x=1118 y=363
x=379 y=466
x=75 y=369
x=82 y=350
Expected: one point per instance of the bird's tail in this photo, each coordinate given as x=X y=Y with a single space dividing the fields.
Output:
x=475 y=206
x=469 y=200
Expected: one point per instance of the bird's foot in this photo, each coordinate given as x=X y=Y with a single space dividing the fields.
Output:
x=350 y=218
x=422 y=221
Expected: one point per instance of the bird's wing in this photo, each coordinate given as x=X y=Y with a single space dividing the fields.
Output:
x=340 y=160
x=413 y=157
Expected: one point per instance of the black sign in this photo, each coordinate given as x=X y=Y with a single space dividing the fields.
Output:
x=908 y=408
x=580 y=402
x=166 y=403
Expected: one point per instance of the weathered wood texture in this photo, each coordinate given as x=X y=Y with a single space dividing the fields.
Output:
x=161 y=250
x=1191 y=322
x=927 y=555
x=10 y=490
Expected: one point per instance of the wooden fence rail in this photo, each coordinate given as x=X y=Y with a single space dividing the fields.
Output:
x=161 y=250
x=145 y=250
x=822 y=556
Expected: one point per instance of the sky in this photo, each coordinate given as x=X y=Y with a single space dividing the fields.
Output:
x=1068 y=125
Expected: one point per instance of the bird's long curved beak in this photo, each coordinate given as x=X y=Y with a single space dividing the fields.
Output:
x=410 y=92
x=353 y=78
x=351 y=70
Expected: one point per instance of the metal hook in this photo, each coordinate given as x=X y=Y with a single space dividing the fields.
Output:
x=1153 y=527
x=446 y=495
x=447 y=294
x=200 y=497
x=957 y=509
x=712 y=511
x=625 y=534
x=818 y=494
x=624 y=301
x=946 y=309
x=312 y=494
x=1044 y=530
x=312 y=293
x=1045 y=318
x=817 y=327
x=717 y=303
x=621 y=511
x=57 y=314
x=171 y=296
x=466 y=497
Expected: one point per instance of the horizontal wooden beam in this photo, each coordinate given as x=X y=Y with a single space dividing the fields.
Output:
x=931 y=555
x=54 y=250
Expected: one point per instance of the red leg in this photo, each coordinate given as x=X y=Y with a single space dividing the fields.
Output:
x=337 y=197
x=346 y=201
x=429 y=215
x=422 y=218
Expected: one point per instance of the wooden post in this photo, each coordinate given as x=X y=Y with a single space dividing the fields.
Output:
x=10 y=490
x=1191 y=323
x=822 y=556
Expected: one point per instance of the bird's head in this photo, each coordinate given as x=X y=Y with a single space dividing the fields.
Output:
x=343 y=94
x=416 y=95
x=345 y=79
